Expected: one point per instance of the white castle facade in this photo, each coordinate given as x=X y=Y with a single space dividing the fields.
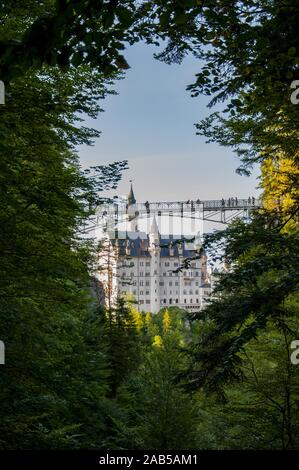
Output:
x=148 y=267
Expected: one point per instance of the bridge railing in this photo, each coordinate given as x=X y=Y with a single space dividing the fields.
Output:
x=232 y=203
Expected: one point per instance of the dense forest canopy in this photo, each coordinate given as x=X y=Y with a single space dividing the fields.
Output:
x=77 y=376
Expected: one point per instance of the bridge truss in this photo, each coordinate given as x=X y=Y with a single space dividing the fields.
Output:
x=108 y=216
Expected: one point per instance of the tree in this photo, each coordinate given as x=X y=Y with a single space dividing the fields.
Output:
x=261 y=411
x=69 y=34
x=160 y=414
x=123 y=345
x=249 y=57
x=53 y=368
x=263 y=274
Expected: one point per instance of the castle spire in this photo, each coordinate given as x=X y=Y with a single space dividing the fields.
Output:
x=154 y=230
x=131 y=197
x=132 y=211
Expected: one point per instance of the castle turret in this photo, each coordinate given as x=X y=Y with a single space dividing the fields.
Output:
x=132 y=212
x=154 y=235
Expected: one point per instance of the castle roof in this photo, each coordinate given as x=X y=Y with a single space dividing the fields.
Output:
x=140 y=246
x=131 y=197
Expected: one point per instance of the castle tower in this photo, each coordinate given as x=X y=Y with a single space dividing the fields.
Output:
x=132 y=212
x=154 y=251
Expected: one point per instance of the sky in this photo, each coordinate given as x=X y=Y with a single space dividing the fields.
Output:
x=150 y=123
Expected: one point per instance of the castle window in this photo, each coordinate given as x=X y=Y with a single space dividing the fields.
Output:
x=141 y=273
x=170 y=283
x=147 y=263
x=147 y=292
x=185 y=301
x=141 y=292
x=164 y=300
x=161 y=283
x=134 y=283
x=191 y=292
x=141 y=263
x=196 y=292
x=197 y=301
x=147 y=274
x=141 y=283
x=166 y=263
x=147 y=283
x=176 y=301
x=176 y=283
x=175 y=264
x=184 y=292
x=148 y=301
x=191 y=301
x=170 y=301
x=196 y=273
x=164 y=274
x=134 y=292
x=141 y=301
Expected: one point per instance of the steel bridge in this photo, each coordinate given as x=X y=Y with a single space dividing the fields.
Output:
x=221 y=211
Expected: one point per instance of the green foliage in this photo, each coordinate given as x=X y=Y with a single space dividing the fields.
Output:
x=123 y=344
x=263 y=274
x=54 y=385
x=69 y=34
x=160 y=414
x=261 y=412
x=78 y=377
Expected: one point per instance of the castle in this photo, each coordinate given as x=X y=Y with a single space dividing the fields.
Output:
x=149 y=268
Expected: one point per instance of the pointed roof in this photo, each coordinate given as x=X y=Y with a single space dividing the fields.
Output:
x=154 y=230
x=131 y=197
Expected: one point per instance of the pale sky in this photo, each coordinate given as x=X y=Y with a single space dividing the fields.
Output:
x=150 y=123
